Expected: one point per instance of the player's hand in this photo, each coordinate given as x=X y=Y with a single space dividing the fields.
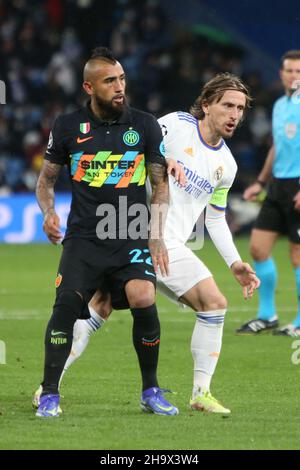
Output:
x=251 y=193
x=159 y=254
x=246 y=277
x=297 y=201
x=51 y=226
x=176 y=170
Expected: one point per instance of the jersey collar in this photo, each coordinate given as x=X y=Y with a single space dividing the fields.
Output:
x=125 y=118
x=205 y=143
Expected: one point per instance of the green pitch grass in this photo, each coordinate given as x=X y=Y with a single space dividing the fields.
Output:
x=255 y=377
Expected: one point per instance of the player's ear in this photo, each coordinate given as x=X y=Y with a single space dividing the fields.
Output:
x=280 y=73
x=88 y=87
x=205 y=107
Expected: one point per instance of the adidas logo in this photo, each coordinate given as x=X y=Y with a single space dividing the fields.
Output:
x=189 y=151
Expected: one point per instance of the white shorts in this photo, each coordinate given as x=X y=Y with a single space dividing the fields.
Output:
x=185 y=271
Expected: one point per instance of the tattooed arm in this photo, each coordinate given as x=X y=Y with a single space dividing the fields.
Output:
x=45 y=198
x=159 y=208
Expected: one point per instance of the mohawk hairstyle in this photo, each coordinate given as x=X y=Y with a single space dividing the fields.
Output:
x=103 y=53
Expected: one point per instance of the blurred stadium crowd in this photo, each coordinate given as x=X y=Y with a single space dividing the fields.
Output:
x=44 y=45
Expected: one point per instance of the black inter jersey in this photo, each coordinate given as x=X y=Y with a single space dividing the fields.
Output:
x=105 y=161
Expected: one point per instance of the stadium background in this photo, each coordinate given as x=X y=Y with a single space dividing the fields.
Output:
x=168 y=48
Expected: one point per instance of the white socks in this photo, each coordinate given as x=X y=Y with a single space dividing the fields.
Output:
x=83 y=329
x=95 y=322
x=205 y=344
x=205 y=347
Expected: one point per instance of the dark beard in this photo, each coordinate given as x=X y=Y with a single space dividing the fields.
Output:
x=108 y=111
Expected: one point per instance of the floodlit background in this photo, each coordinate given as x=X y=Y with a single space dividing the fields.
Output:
x=168 y=48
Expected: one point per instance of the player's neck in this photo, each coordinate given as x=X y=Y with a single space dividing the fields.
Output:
x=99 y=113
x=209 y=135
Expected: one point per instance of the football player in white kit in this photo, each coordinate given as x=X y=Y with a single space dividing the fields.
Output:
x=195 y=141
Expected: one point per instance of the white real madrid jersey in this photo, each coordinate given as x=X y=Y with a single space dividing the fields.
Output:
x=210 y=172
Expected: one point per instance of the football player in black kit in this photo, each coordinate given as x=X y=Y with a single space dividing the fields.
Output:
x=109 y=149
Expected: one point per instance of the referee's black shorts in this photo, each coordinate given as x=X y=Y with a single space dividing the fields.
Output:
x=278 y=213
x=87 y=265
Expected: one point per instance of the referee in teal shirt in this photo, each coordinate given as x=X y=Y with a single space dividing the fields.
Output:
x=280 y=212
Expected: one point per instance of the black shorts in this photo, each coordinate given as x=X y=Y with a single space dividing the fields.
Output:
x=278 y=213
x=86 y=266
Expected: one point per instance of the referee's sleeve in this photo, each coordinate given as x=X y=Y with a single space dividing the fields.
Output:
x=155 y=151
x=55 y=151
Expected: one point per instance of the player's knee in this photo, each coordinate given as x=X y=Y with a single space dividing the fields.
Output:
x=295 y=260
x=69 y=300
x=258 y=252
x=216 y=303
x=141 y=300
x=141 y=297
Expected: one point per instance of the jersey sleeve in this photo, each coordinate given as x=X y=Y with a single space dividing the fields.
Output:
x=168 y=128
x=56 y=152
x=219 y=197
x=155 y=152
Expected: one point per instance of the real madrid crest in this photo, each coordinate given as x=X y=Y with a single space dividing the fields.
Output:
x=218 y=173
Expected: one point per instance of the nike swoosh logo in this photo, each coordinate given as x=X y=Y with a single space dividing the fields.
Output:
x=55 y=333
x=79 y=140
x=164 y=408
x=50 y=412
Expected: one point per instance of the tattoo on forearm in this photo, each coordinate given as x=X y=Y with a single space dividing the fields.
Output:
x=159 y=182
x=159 y=200
x=45 y=185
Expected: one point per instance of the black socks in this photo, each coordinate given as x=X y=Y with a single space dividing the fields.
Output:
x=146 y=339
x=59 y=337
